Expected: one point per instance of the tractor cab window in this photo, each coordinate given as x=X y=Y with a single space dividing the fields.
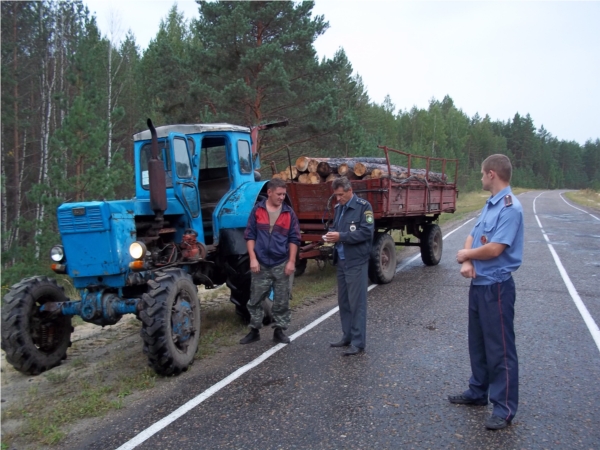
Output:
x=163 y=155
x=213 y=153
x=182 y=159
x=244 y=155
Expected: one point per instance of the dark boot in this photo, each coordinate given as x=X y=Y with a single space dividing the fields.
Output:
x=253 y=336
x=279 y=336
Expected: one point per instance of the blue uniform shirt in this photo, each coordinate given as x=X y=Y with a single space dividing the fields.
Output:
x=501 y=223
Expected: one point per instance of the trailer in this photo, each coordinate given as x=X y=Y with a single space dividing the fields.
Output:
x=410 y=205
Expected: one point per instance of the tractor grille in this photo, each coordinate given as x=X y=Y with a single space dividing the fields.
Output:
x=79 y=219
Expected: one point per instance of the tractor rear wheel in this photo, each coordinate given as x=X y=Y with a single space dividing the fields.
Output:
x=300 y=267
x=171 y=322
x=382 y=264
x=431 y=244
x=239 y=282
x=34 y=341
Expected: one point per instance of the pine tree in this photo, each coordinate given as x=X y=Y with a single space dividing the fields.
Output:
x=259 y=65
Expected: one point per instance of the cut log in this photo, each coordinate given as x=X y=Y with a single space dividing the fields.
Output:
x=324 y=169
x=343 y=169
x=359 y=169
x=332 y=176
x=292 y=172
x=352 y=176
x=312 y=165
x=376 y=173
x=302 y=163
x=314 y=178
x=304 y=178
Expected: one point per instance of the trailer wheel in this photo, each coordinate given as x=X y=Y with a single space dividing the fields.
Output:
x=34 y=341
x=431 y=244
x=171 y=322
x=382 y=263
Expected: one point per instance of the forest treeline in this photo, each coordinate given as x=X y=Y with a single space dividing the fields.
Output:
x=72 y=98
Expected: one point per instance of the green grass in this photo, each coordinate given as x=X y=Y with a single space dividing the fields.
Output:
x=219 y=326
x=586 y=197
x=318 y=280
x=45 y=419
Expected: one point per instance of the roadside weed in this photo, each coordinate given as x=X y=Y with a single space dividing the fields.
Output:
x=57 y=377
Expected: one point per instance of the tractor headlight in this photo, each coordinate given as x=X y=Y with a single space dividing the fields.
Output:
x=57 y=253
x=137 y=250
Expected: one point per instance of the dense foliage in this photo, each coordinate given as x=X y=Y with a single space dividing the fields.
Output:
x=72 y=98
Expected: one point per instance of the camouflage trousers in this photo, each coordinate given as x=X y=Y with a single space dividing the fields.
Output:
x=262 y=282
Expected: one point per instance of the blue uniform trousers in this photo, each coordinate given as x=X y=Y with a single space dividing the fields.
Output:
x=352 y=300
x=494 y=363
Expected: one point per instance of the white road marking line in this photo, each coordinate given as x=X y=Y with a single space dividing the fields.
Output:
x=585 y=314
x=191 y=404
x=563 y=199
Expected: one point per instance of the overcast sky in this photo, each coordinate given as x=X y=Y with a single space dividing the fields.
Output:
x=495 y=58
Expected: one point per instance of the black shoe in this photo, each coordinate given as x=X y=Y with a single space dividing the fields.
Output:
x=341 y=343
x=279 y=336
x=496 y=423
x=353 y=351
x=462 y=400
x=253 y=336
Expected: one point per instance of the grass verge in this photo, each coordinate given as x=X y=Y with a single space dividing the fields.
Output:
x=585 y=197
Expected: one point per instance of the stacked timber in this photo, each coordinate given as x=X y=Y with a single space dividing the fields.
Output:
x=309 y=170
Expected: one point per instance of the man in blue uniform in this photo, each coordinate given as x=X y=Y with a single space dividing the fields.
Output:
x=493 y=250
x=352 y=233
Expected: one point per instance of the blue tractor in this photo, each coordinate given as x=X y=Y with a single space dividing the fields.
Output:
x=195 y=186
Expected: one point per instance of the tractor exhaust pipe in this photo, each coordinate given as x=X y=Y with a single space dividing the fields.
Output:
x=156 y=174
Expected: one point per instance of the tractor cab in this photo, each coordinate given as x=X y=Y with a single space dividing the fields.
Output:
x=202 y=164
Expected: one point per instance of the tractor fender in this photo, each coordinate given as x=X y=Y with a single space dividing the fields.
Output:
x=231 y=216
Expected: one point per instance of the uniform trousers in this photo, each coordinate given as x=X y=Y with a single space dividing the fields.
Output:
x=492 y=349
x=352 y=300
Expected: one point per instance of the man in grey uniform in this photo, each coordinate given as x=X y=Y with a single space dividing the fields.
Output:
x=352 y=233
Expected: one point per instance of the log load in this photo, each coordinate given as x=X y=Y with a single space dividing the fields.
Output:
x=311 y=170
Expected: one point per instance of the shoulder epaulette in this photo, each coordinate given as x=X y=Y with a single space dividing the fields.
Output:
x=507 y=200
x=362 y=201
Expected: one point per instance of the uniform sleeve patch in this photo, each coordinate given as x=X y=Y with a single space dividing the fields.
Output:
x=369 y=216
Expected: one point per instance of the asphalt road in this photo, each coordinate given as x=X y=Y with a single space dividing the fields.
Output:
x=394 y=395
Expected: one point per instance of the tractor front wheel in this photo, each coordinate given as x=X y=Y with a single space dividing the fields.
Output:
x=171 y=322
x=34 y=341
